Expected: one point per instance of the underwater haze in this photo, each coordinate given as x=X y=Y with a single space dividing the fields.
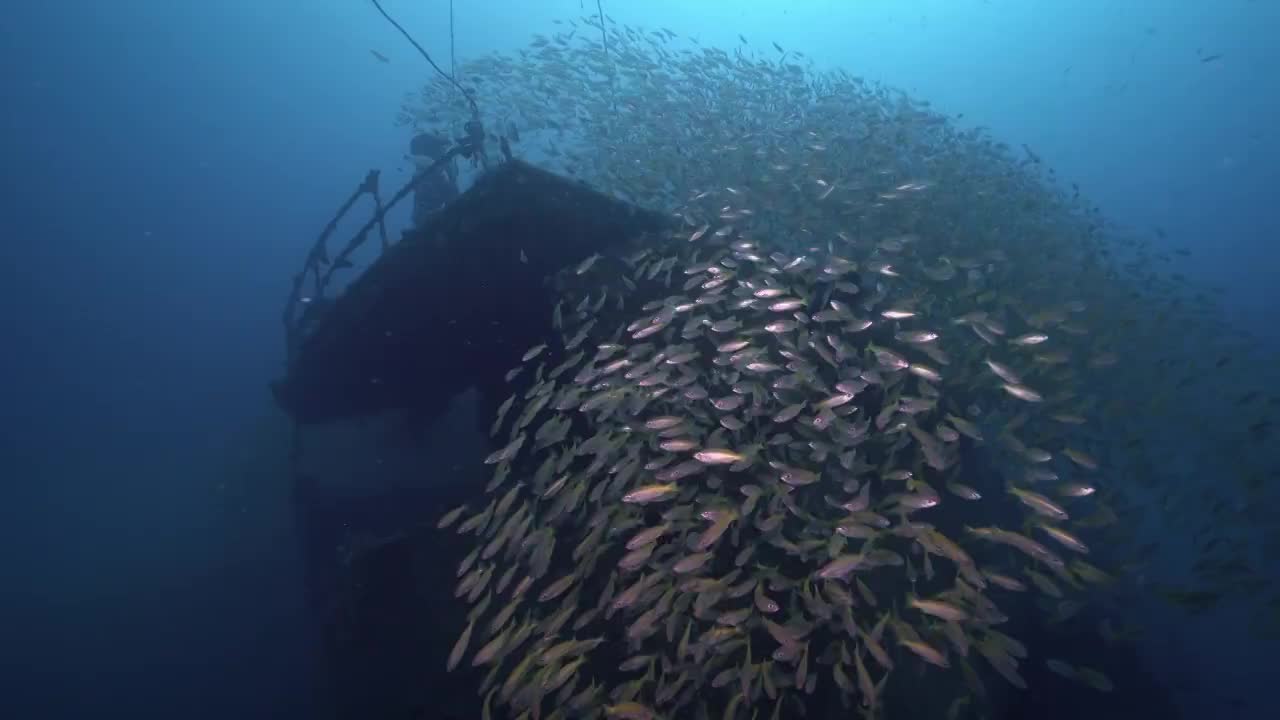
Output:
x=168 y=167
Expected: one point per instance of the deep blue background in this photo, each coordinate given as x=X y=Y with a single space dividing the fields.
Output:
x=166 y=165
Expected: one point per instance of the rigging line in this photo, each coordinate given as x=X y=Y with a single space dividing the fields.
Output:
x=453 y=63
x=604 y=40
x=475 y=111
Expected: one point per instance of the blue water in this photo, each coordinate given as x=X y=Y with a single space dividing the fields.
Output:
x=167 y=164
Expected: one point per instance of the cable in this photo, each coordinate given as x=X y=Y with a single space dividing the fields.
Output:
x=603 y=38
x=453 y=63
x=475 y=111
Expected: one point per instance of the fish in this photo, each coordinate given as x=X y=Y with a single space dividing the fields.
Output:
x=965 y=427
x=651 y=493
x=691 y=563
x=939 y=609
x=1022 y=392
x=647 y=536
x=491 y=649
x=1004 y=581
x=1064 y=538
x=915 y=336
x=1060 y=667
x=450 y=517
x=1004 y=372
x=1029 y=339
x=1080 y=458
x=630 y=711
x=1075 y=490
x=926 y=652
x=963 y=491
x=784 y=375
x=678 y=444
x=506 y=452
x=841 y=566
x=1094 y=679
x=460 y=647
x=1039 y=503
x=718 y=456
x=557 y=588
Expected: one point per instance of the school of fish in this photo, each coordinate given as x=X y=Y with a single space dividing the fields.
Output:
x=871 y=399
